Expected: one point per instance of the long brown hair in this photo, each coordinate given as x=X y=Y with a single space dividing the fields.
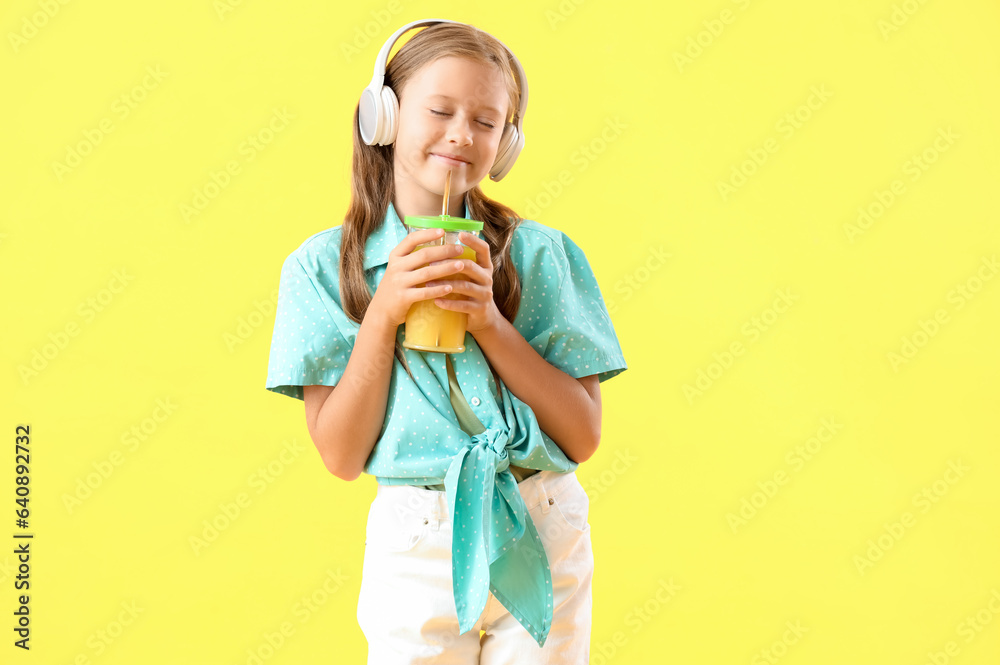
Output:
x=372 y=184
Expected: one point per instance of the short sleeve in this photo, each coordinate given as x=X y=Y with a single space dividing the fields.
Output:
x=307 y=346
x=576 y=334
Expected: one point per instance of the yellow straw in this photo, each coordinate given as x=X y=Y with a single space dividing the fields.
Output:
x=447 y=191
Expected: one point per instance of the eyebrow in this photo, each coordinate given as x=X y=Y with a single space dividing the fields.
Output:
x=451 y=99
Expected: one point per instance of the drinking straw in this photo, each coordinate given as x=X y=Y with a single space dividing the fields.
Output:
x=447 y=191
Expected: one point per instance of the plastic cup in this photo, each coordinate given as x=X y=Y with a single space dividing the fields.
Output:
x=429 y=327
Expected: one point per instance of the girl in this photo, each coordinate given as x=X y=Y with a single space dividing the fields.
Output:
x=477 y=543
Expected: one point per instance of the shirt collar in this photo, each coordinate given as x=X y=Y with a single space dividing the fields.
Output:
x=385 y=238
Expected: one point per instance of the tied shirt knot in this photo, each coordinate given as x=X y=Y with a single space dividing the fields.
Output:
x=495 y=441
x=495 y=546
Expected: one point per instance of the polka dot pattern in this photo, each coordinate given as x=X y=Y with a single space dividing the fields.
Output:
x=563 y=317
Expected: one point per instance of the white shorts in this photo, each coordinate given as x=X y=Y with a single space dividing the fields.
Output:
x=406 y=609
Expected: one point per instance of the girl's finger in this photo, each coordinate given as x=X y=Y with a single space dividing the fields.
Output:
x=444 y=303
x=477 y=274
x=410 y=242
x=434 y=255
x=423 y=275
x=466 y=289
x=481 y=246
x=434 y=292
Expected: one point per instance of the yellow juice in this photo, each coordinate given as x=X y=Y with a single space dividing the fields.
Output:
x=430 y=328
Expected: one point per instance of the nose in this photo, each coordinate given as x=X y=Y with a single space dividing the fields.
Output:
x=459 y=130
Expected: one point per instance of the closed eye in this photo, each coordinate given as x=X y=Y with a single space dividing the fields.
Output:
x=486 y=124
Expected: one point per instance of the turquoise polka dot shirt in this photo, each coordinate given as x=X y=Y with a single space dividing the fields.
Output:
x=562 y=315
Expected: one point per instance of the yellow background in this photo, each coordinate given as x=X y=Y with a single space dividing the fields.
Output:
x=845 y=550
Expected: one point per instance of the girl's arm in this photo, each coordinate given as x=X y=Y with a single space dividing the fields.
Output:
x=344 y=422
x=568 y=410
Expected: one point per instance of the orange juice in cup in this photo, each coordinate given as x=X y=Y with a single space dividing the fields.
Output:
x=429 y=327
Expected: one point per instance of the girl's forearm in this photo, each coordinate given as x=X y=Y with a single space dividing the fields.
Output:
x=563 y=407
x=351 y=418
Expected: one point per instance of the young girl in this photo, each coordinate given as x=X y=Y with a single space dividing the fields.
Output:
x=477 y=543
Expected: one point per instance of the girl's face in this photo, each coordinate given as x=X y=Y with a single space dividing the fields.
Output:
x=452 y=107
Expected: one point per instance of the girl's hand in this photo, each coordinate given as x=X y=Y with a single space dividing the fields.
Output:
x=478 y=289
x=406 y=272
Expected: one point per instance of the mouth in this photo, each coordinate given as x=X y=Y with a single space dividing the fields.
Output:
x=453 y=161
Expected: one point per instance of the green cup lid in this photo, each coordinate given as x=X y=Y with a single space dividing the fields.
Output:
x=446 y=222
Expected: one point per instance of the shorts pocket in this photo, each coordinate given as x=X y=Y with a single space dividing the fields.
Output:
x=394 y=527
x=572 y=507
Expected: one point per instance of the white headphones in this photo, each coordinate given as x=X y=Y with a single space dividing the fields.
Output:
x=379 y=108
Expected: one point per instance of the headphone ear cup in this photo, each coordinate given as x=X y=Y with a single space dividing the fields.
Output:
x=506 y=154
x=390 y=116
x=368 y=116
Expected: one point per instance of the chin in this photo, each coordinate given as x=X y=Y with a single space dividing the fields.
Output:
x=460 y=182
